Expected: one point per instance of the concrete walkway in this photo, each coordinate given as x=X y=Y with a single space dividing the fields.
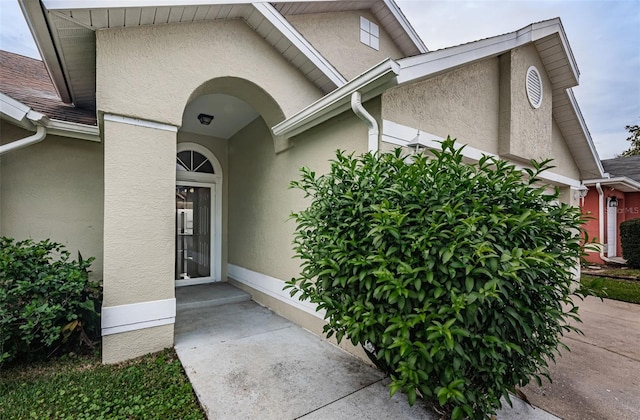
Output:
x=245 y=362
x=600 y=377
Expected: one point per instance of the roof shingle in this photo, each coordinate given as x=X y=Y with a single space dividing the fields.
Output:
x=628 y=166
x=26 y=80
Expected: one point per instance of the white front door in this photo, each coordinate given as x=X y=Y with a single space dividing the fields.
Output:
x=198 y=220
x=195 y=206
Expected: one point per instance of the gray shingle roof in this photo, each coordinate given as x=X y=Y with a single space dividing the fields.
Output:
x=628 y=166
x=26 y=80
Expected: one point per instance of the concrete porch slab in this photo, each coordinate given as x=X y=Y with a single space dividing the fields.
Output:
x=245 y=362
x=258 y=365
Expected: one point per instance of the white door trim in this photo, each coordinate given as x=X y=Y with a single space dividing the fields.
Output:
x=215 y=183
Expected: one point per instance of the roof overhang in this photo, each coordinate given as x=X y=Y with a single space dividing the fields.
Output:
x=64 y=32
x=23 y=116
x=553 y=47
x=551 y=42
x=620 y=183
x=370 y=84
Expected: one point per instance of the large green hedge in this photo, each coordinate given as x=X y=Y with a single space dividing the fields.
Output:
x=455 y=278
x=630 y=240
x=47 y=301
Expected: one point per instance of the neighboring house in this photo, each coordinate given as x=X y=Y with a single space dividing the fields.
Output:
x=190 y=118
x=611 y=200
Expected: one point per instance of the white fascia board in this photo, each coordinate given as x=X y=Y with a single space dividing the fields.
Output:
x=15 y=111
x=406 y=25
x=402 y=135
x=25 y=117
x=429 y=64
x=73 y=130
x=585 y=130
x=137 y=316
x=283 y=26
x=37 y=22
x=369 y=84
x=620 y=180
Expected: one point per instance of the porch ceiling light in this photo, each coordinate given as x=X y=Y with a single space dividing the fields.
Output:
x=613 y=201
x=205 y=119
x=581 y=192
x=417 y=143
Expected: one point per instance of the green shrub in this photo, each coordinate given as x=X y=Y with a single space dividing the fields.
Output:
x=630 y=240
x=452 y=276
x=47 y=301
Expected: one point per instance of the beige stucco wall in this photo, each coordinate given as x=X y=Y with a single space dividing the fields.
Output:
x=139 y=213
x=219 y=148
x=150 y=72
x=337 y=37
x=260 y=200
x=484 y=105
x=131 y=344
x=462 y=103
x=562 y=158
x=53 y=189
x=525 y=132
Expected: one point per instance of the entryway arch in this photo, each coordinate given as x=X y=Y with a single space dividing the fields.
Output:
x=198 y=233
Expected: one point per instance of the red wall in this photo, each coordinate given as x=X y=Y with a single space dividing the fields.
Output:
x=628 y=208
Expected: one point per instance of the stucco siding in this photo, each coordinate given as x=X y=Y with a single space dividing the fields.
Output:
x=139 y=213
x=260 y=201
x=150 y=72
x=462 y=103
x=337 y=37
x=219 y=148
x=53 y=189
x=525 y=132
x=131 y=344
x=562 y=158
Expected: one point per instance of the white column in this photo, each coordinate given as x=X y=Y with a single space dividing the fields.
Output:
x=139 y=221
x=612 y=230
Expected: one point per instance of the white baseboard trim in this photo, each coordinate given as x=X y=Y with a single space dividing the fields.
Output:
x=136 y=316
x=270 y=286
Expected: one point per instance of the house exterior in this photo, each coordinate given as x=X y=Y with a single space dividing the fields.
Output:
x=611 y=200
x=193 y=117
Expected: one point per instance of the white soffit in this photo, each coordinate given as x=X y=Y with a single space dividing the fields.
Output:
x=568 y=116
x=64 y=31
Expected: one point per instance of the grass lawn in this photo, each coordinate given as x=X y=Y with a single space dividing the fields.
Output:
x=150 y=387
x=617 y=289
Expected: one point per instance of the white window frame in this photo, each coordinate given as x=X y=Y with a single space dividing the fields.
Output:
x=213 y=181
x=369 y=33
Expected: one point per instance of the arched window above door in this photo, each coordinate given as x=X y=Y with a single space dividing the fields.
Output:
x=192 y=161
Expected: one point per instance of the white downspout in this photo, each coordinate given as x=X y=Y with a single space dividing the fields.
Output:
x=372 y=124
x=40 y=134
x=601 y=221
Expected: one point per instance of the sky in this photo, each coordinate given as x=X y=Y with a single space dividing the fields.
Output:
x=604 y=36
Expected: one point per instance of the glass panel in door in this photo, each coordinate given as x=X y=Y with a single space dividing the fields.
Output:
x=193 y=232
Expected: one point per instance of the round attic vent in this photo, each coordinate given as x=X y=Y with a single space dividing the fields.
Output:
x=534 y=87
